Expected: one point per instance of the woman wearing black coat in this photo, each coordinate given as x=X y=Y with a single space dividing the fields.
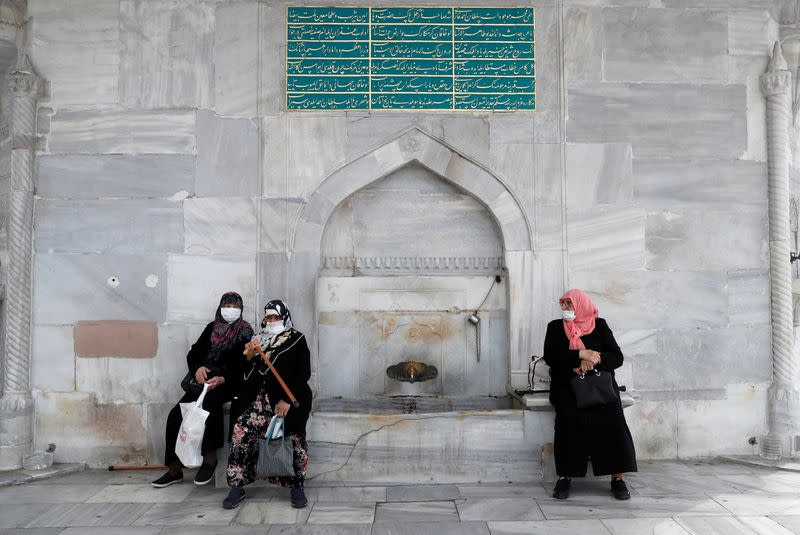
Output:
x=260 y=396
x=581 y=342
x=214 y=359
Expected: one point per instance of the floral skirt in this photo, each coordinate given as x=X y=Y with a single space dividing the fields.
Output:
x=249 y=428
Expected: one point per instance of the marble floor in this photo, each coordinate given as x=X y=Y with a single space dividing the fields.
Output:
x=669 y=497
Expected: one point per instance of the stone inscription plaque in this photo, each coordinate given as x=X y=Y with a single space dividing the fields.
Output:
x=410 y=58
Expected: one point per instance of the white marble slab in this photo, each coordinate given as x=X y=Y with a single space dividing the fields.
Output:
x=532 y=490
x=181 y=77
x=549 y=527
x=648 y=485
x=186 y=514
x=17 y=515
x=90 y=514
x=748 y=525
x=486 y=509
x=112 y=530
x=342 y=513
x=792 y=523
x=346 y=494
x=640 y=507
x=123 y=132
x=220 y=225
x=142 y=493
x=664 y=45
x=30 y=494
x=640 y=526
x=769 y=483
x=422 y=493
x=53 y=358
x=606 y=239
x=271 y=513
x=751 y=504
x=320 y=529
x=236 y=51
x=227 y=156
x=583 y=43
x=598 y=174
x=429 y=528
x=416 y=512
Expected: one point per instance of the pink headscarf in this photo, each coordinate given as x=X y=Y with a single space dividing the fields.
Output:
x=585 y=313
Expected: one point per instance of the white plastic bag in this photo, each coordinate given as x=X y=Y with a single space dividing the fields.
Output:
x=190 y=435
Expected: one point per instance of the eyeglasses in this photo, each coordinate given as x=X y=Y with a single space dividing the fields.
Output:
x=564 y=302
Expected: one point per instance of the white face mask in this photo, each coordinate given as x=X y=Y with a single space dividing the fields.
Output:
x=568 y=315
x=274 y=328
x=230 y=314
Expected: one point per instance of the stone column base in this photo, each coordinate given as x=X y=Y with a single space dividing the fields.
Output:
x=16 y=437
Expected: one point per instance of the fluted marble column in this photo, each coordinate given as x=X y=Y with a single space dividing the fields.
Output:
x=776 y=86
x=16 y=407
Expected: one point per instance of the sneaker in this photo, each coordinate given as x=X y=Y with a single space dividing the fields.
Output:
x=561 y=492
x=234 y=498
x=620 y=489
x=299 y=498
x=205 y=474
x=167 y=479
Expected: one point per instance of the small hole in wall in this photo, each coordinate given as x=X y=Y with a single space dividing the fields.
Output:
x=113 y=282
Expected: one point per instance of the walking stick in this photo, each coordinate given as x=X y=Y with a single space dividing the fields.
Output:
x=295 y=403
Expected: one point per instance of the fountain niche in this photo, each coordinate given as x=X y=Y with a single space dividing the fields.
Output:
x=405 y=262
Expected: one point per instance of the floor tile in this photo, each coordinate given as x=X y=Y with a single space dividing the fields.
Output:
x=731 y=525
x=642 y=526
x=422 y=493
x=215 y=530
x=499 y=509
x=346 y=494
x=663 y=485
x=142 y=493
x=710 y=467
x=430 y=528
x=271 y=513
x=58 y=494
x=321 y=529
x=639 y=507
x=417 y=512
x=342 y=513
x=90 y=514
x=549 y=527
x=759 y=505
x=111 y=530
x=792 y=523
x=186 y=514
x=35 y=531
x=761 y=483
x=14 y=516
x=532 y=490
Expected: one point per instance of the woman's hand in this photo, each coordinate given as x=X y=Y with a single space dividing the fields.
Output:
x=251 y=348
x=585 y=367
x=201 y=374
x=588 y=355
x=282 y=409
x=214 y=382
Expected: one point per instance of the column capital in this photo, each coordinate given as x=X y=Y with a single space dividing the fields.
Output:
x=24 y=82
x=777 y=79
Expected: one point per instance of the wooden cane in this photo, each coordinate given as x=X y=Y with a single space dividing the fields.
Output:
x=295 y=403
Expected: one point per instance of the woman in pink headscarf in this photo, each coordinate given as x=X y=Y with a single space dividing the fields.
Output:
x=580 y=342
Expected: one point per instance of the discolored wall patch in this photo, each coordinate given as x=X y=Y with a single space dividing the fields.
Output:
x=116 y=338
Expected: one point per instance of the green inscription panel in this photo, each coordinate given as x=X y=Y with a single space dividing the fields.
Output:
x=410 y=58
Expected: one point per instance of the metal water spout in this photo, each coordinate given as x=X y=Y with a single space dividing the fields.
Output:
x=410 y=371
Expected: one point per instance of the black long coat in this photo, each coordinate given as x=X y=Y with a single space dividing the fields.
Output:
x=598 y=433
x=293 y=362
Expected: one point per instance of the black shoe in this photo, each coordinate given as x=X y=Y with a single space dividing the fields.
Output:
x=167 y=479
x=234 y=498
x=561 y=492
x=299 y=498
x=205 y=474
x=620 y=489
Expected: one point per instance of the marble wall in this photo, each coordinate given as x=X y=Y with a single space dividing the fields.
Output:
x=171 y=173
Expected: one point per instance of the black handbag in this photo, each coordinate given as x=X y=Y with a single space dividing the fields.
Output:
x=594 y=389
x=190 y=384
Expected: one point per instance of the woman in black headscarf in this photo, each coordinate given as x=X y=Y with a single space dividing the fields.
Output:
x=261 y=396
x=215 y=359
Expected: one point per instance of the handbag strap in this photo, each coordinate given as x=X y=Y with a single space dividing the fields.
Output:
x=202 y=396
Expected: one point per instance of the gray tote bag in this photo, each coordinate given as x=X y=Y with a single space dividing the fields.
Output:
x=275 y=455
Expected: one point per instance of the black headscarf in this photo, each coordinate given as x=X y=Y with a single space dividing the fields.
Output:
x=224 y=335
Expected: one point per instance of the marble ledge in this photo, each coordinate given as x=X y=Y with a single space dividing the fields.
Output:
x=538 y=401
